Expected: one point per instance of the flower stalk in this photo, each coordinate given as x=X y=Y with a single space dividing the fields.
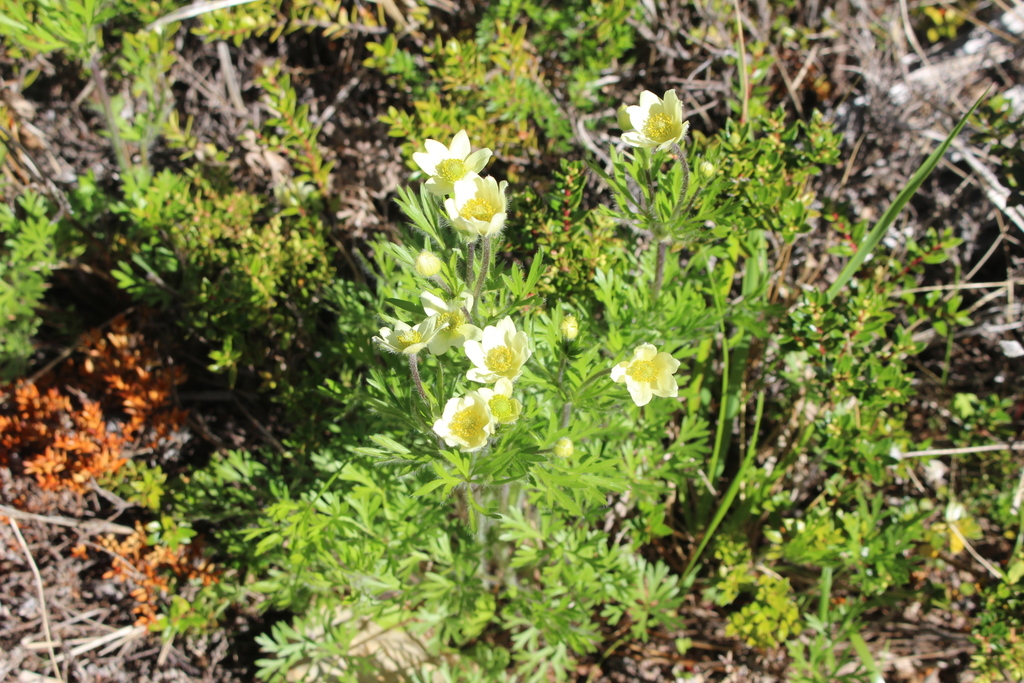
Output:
x=485 y=264
x=414 y=370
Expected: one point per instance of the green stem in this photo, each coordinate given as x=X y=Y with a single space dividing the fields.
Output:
x=659 y=270
x=734 y=488
x=414 y=370
x=723 y=409
x=120 y=153
x=485 y=265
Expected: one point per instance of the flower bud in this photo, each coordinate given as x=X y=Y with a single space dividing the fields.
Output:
x=569 y=327
x=623 y=119
x=706 y=170
x=564 y=448
x=427 y=265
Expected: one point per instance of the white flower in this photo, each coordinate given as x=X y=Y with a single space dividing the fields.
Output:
x=501 y=353
x=466 y=422
x=478 y=205
x=448 y=165
x=452 y=328
x=657 y=123
x=648 y=374
x=405 y=339
x=504 y=409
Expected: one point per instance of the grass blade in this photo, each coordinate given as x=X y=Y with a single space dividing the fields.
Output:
x=882 y=226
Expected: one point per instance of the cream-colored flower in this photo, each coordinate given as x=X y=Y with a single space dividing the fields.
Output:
x=448 y=165
x=478 y=206
x=405 y=339
x=504 y=409
x=564 y=448
x=569 y=327
x=452 y=328
x=466 y=422
x=648 y=374
x=657 y=123
x=501 y=353
x=427 y=265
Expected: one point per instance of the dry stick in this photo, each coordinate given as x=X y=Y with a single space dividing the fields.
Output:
x=42 y=597
x=230 y=82
x=789 y=83
x=91 y=526
x=974 y=553
x=969 y=285
x=1018 y=495
x=744 y=76
x=931 y=452
x=994 y=190
x=909 y=31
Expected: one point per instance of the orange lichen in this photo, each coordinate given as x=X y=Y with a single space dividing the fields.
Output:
x=77 y=429
x=150 y=567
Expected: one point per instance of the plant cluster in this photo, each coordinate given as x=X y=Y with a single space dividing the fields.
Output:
x=565 y=403
x=60 y=430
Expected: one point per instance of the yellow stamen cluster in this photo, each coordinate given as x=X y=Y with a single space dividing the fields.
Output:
x=409 y=337
x=501 y=407
x=478 y=209
x=467 y=423
x=642 y=371
x=658 y=127
x=499 y=359
x=451 y=169
x=450 y=321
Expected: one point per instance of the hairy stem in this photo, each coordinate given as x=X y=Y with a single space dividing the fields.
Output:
x=485 y=264
x=659 y=269
x=108 y=113
x=414 y=370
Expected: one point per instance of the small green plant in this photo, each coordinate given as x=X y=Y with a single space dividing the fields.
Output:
x=34 y=245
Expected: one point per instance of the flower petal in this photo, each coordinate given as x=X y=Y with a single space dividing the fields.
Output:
x=475 y=352
x=648 y=99
x=426 y=162
x=640 y=392
x=476 y=161
x=673 y=107
x=433 y=304
x=646 y=352
x=460 y=147
x=634 y=139
x=436 y=149
x=619 y=372
x=438 y=186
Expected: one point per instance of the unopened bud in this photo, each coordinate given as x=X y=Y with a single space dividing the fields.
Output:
x=706 y=169
x=564 y=448
x=427 y=265
x=623 y=119
x=569 y=327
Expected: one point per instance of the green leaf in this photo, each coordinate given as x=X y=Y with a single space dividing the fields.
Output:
x=882 y=226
